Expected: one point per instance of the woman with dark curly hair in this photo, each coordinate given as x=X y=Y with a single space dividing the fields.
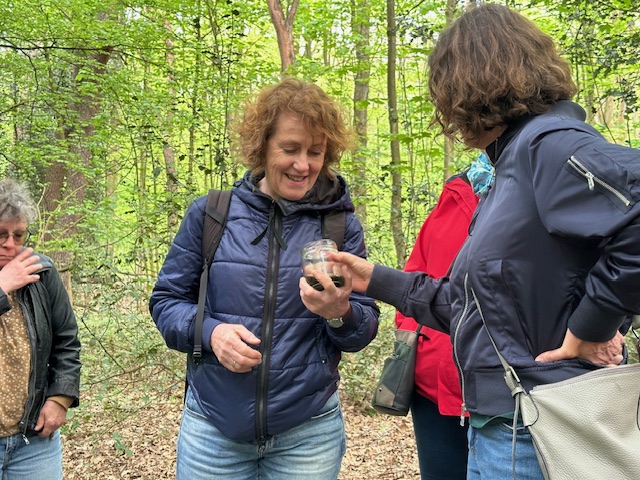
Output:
x=263 y=401
x=551 y=266
x=494 y=66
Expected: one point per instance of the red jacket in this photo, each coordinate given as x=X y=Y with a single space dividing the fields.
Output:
x=438 y=242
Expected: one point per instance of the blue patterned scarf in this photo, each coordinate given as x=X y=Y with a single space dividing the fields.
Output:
x=481 y=174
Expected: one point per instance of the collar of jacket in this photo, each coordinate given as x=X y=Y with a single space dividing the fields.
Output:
x=326 y=195
x=563 y=109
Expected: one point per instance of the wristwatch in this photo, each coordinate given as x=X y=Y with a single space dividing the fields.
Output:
x=335 y=322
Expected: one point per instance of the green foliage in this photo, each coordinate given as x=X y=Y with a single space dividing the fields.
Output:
x=360 y=371
x=120 y=445
x=127 y=368
x=129 y=106
x=175 y=78
x=602 y=42
x=632 y=341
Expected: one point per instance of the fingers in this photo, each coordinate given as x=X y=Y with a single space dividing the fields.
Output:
x=616 y=346
x=231 y=345
x=321 y=281
x=550 y=356
x=607 y=353
x=20 y=271
x=51 y=417
x=329 y=302
x=241 y=363
x=360 y=269
x=345 y=258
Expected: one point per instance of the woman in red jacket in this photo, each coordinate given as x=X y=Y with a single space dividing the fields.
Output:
x=440 y=431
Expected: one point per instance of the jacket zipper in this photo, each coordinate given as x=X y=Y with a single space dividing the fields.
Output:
x=32 y=374
x=574 y=163
x=267 y=329
x=455 y=347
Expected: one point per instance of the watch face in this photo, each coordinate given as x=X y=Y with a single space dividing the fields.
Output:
x=335 y=322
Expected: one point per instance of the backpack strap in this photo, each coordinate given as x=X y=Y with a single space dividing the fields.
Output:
x=333 y=227
x=215 y=219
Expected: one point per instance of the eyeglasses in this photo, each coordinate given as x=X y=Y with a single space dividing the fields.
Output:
x=19 y=238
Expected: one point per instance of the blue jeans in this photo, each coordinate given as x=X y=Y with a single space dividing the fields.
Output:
x=440 y=440
x=41 y=459
x=310 y=451
x=490 y=453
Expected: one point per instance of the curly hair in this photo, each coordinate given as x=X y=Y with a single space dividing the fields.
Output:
x=491 y=66
x=16 y=202
x=310 y=102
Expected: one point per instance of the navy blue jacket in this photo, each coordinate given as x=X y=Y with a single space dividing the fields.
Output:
x=254 y=282
x=554 y=244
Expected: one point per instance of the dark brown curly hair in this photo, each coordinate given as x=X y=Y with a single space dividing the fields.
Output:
x=491 y=66
x=319 y=112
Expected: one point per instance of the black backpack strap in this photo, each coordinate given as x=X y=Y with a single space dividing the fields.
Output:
x=215 y=219
x=333 y=227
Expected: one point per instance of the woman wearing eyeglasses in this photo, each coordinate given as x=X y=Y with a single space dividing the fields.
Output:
x=39 y=348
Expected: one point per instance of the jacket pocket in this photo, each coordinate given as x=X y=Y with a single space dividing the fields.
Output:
x=612 y=176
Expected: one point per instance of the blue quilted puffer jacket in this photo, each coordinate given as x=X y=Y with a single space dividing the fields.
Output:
x=253 y=281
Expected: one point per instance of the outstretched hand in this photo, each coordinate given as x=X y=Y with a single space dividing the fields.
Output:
x=606 y=354
x=358 y=268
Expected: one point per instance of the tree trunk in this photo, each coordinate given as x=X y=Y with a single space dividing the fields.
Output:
x=284 y=30
x=66 y=186
x=396 y=175
x=360 y=21
x=167 y=147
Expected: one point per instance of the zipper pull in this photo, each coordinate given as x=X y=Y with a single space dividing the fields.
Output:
x=26 y=440
x=590 y=181
x=462 y=414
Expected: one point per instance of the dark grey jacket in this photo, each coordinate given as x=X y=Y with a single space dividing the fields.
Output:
x=53 y=334
x=554 y=244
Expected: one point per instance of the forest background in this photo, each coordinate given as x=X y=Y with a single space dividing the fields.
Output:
x=116 y=113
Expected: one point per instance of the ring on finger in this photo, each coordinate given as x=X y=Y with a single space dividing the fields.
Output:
x=235 y=363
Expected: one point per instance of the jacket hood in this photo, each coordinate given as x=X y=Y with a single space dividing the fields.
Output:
x=325 y=195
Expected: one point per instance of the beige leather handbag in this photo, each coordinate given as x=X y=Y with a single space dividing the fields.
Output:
x=583 y=428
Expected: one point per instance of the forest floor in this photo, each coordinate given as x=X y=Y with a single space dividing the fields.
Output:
x=142 y=444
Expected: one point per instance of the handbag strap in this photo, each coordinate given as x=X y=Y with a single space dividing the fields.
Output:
x=510 y=376
x=511 y=379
